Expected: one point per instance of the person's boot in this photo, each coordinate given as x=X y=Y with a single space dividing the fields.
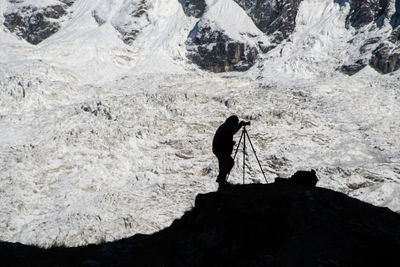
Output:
x=220 y=178
x=222 y=183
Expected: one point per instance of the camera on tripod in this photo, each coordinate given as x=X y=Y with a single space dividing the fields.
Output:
x=246 y=123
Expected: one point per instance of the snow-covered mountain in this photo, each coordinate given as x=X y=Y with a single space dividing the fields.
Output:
x=108 y=107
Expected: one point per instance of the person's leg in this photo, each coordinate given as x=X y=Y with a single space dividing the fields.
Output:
x=222 y=170
x=225 y=165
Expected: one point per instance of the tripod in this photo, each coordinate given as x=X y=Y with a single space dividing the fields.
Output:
x=243 y=136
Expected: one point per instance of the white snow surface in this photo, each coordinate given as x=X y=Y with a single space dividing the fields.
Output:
x=100 y=140
x=228 y=17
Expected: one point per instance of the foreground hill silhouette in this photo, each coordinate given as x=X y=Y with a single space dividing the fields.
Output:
x=246 y=225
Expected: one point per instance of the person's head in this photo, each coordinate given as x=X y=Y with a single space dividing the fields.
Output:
x=232 y=121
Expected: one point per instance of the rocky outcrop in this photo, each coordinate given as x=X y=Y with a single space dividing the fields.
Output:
x=194 y=8
x=353 y=67
x=35 y=24
x=386 y=58
x=68 y=2
x=380 y=52
x=368 y=46
x=273 y=17
x=246 y=225
x=98 y=18
x=130 y=26
x=217 y=52
x=129 y=20
x=98 y=109
x=395 y=20
x=395 y=35
x=364 y=12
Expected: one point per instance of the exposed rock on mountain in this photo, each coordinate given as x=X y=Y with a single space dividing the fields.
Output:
x=35 y=24
x=129 y=26
x=68 y=2
x=395 y=35
x=386 y=58
x=98 y=109
x=277 y=20
x=193 y=8
x=382 y=51
x=354 y=67
x=98 y=18
x=247 y=225
x=129 y=20
x=364 y=12
x=273 y=17
x=217 y=52
x=220 y=52
x=395 y=20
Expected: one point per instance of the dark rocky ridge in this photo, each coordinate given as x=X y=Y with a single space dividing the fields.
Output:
x=276 y=18
x=364 y=12
x=194 y=8
x=246 y=225
x=386 y=58
x=385 y=51
x=36 y=24
x=395 y=20
x=217 y=52
x=273 y=17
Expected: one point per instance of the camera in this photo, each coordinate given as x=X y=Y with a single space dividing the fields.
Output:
x=246 y=123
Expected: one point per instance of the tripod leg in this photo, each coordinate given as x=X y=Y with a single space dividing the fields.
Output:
x=237 y=148
x=255 y=154
x=244 y=153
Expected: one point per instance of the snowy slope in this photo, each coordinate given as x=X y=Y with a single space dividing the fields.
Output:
x=235 y=22
x=318 y=44
x=101 y=138
x=96 y=53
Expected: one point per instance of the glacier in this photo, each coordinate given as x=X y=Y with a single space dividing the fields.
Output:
x=102 y=137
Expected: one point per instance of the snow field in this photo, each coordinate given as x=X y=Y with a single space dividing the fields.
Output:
x=71 y=177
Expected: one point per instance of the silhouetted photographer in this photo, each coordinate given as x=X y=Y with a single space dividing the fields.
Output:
x=223 y=146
